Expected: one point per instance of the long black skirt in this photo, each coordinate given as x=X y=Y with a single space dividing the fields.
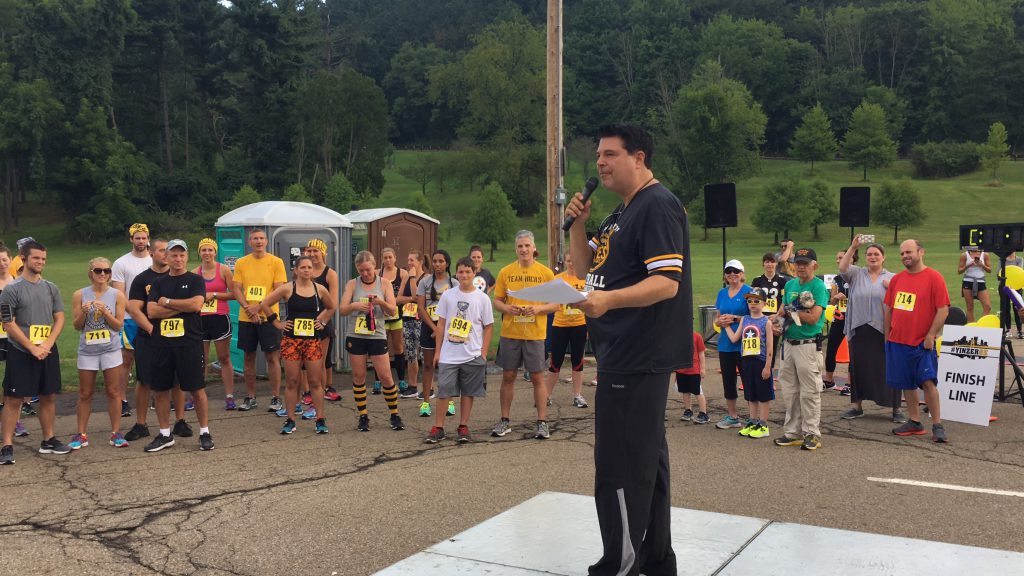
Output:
x=867 y=368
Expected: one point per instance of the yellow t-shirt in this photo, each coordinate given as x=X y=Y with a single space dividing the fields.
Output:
x=566 y=316
x=515 y=277
x=258 y=276
x=16 y=266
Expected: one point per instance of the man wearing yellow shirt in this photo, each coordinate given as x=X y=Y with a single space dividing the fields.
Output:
x=256 y=275
x=523 y=331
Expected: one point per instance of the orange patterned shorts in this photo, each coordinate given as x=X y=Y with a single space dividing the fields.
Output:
x=301 y=349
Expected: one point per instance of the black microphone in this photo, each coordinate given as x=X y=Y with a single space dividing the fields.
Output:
x=588 y=189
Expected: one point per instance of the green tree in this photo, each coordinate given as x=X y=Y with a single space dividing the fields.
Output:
x=339 y=195
x=695 y=211
x=492 y=220
x=814 y=139
x=785 y=205
x=823 y=200
x=897 y=206
x=867 y=143
x=243 y=197
x=419 y=171
x=994 y=150
x=420 y=203
x=296 y=193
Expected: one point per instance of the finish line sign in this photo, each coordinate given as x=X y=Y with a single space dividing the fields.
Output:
x=968 y=370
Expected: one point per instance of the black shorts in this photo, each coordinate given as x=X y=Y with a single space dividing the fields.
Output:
x=143 y=357
x=216 y=327
x=329 y=354
x=264 y=335
x=26 y=376
x=183 y=364
x=365 y=346
x=688 y=384
x=968 y=285
x=427 y=338
x=755 y=388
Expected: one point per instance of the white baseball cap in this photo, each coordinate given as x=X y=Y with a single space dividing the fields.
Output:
x=735 y=264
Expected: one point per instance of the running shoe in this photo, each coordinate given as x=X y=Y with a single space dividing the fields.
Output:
x=159 y=443
x=376 y=388
x=451 y=407
x=321 y=426
x=396 y=422
x=190 y=405
x=702 y=418
x=549 y=400
x=78 y=441
x=410 y=392
x=728 y=421
x=307 y=398
x=205 y=442
x=289 y=426
x=19 y=430
x=282 y=413
x=181 y=428
x=53 y=446
x=898 y=417
x=137 y=431
x=760 y=431
x=578 y=401
x=403 y=386
x=331 y=395
x=7 y=455
x=787 y=441
x=501 y=428
x=747 y=427
x=364 y=423
x=852 y=413
x=1020 y=335
x=247 y=404
x=229 y=403
x=939 y=434
x=126 y=409
x=275 y=404
x=846 y=391
x=435 y=436
x=687 y=415
x=462 y=433
x=309 y=414
x=909 y=428
x=419 y=395
x=828 y=384
x=33 y=400
x=811 y=442
x=300 y=408
x=27 y=410
x=424 y=409
x=118 y=441
x=542 y=432
x=526 y=376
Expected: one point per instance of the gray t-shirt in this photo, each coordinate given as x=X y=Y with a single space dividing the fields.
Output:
x=32 y=304
x=440 y=286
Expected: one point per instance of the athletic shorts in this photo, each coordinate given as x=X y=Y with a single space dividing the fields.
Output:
x=365 y=346
x=908 y=367
x=968 y=285
x=688 y=384
x=216 y=327
x=426 y=338
x=755 y=388
x=264 y=336
x=301 y=349
x=395 y=324
x=329 y=354
x=97 y=362
x=128 y=331
x=26 y=376
x=183 y=364
x=513 y=354
x=143 y=358
x=469 y=379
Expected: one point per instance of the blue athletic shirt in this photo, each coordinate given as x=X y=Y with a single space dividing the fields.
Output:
x=736 y=305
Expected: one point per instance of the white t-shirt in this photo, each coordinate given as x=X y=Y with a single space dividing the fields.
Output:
x=458 y=308
x=127 y=267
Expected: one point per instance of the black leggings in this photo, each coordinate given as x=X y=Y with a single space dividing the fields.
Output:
x=729 y=362
x=835 y=339
x=573 y=338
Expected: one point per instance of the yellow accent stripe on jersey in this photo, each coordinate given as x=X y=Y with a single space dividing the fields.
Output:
x=665 y=269
x=664 y=257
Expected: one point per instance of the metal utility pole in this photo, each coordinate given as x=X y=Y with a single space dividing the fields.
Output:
x=555 y=166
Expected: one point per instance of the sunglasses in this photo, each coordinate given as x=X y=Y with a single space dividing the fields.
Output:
x=102 y=270
x=752 y=301
x=731 y=271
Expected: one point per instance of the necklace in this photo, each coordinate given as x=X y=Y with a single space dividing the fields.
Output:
x=637 y=191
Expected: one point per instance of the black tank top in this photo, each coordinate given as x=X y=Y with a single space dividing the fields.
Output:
x=322 y=279
x=303 y=308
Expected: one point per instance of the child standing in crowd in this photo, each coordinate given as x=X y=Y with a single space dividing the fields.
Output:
x=688 y=383
x=755 y=364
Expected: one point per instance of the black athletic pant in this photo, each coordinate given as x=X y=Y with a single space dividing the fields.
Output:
x=835 y=339
x=631 y=487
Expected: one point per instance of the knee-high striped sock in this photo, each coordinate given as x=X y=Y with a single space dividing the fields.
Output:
x=391 y=397
x=359 y=393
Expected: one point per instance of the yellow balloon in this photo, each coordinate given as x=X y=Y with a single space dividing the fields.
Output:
x=717 y=328
x=972 y=324
x=830 y=312
x=1015 y=277
x=989 y=321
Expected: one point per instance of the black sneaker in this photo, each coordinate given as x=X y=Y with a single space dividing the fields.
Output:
x=205 y=442
x=53 y=446
x=409 y=392
x=137 y=431
x=27 y=410
x=126 y=410
x=181 y=428
x=6 y=455
x=159 y=443
x=396 y=422
x=364 y=423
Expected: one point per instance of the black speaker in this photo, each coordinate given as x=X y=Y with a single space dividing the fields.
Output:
x=720 y=205
x=854 y=207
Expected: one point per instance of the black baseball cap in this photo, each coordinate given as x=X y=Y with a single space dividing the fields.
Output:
x=805 y=255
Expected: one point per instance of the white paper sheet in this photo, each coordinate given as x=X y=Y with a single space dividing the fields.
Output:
x=557 y=291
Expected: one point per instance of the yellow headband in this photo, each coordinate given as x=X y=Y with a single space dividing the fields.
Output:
x=137 y=227
x=208 y=242
x=318 y=244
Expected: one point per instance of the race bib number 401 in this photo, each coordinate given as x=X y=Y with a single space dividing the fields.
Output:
x=255 y=293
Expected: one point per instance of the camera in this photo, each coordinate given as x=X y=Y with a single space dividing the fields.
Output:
x=867 y=238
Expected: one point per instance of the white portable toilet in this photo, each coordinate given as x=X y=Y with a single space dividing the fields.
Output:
x=289 y=226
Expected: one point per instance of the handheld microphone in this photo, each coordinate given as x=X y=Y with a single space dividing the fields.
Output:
x=588 y=189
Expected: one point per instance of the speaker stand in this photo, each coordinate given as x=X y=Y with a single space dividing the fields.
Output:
x=1007 y=355
x=851 y=234
x=723 y=256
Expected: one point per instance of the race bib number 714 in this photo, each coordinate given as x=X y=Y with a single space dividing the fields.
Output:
x=905 y=301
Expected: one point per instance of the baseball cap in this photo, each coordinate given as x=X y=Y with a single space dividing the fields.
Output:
x=735 y=264
x=754 y=294
x=24 y=241
x=805 y=255
x=177 y=243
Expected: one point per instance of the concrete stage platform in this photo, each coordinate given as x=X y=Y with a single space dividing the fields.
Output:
x=555 y=533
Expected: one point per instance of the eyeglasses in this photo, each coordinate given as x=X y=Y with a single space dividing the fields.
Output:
x=102 y=270
x=731 y=271
x=752 y=301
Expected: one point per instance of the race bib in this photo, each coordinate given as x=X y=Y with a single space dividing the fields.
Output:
x=172 y=327
x=306 y=326
x=209 y=307
x=432 y=312
x=771 y=305
x=3 y=333
x=255 y=293
x=38 y=333
x=362 y=327
x=94 y=337
x=841 y=306
x=905 y=301
x=409 y=310
x=524 y=319
x=752 y=346
x=459 y=328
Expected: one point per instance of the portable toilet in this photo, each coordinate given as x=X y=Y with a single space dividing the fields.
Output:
x=400 y=228
x=289 y=226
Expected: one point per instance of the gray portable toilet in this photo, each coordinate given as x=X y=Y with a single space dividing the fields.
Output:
x=289 y=226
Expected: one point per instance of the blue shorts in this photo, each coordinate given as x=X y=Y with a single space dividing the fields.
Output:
x=908 y=367
x=128 y=332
